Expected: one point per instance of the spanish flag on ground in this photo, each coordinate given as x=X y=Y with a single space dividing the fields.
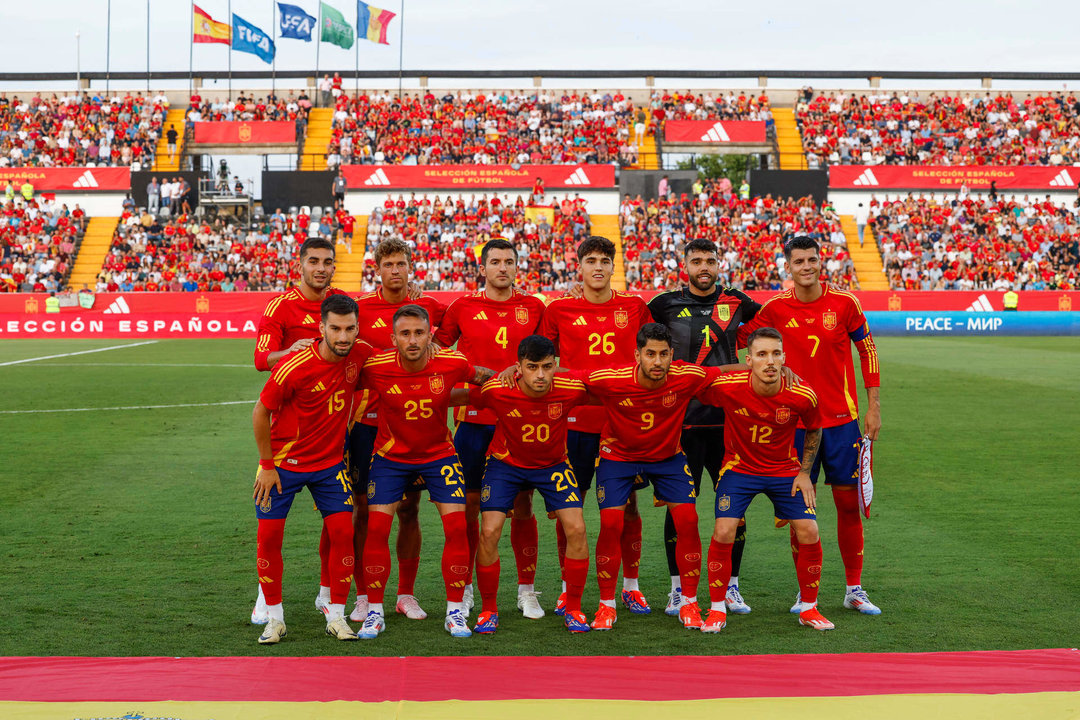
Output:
x=209 y=30
x=372 y=22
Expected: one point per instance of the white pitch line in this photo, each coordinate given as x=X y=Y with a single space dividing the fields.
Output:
x=201 y=365
x=80 y=352
x=127 y=407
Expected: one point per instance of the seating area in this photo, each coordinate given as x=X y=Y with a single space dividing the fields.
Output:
x=977 y=243
x=248 y=107
x=688 y=105
x=38 y=243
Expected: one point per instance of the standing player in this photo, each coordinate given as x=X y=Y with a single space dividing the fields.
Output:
x=288 y=324
x=595 y=332
x=488 y=326
x=704 y=318
x=414 y=442
x=393 y=262
x=764 y=411
x=645 y=405
x=819 y=323
x=300 y=421
x=529 y=451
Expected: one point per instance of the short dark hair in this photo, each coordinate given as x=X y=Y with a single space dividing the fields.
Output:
x=413 y=311
x=653 y=331
x=496 y=244
x=801 y=242
x=764 y=332
x=596 y=244
x=535 y=348
x=699 y=245
x=392 y=246
x=339 y=305
x=316 y=243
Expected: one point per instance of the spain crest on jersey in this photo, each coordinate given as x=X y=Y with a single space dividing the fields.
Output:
x=554 y=411
x=669 y=399
x=352 y=371
x=828 y=320
x=723 y=503
x=783 y=415
x=436 y=383
x=622 y=318
x=521 y=314
x=723 y=312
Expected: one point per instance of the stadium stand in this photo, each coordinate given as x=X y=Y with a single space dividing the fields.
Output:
x=38 y=244
x=902 y=128
x=688 y=105
x=978 y=243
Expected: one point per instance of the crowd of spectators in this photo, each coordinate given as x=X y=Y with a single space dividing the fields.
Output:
x=270 y=108
x=977 y=243
x=689 y=105
x=79 y=130
x=38 y=242
x=467 y=128
x=445 y=235
x=902 y=128
x=749 y=233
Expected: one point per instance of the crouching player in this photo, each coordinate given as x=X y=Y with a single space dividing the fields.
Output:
x=763 y=411
x=300 y=421
x=527 y=451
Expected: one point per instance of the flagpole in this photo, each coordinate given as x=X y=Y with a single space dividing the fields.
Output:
x=401 y=48
x=191 y=53
x=318 y=45
x=273 y=65
x=108 y=42
x=356 y=79
x=147 y=47
x=231 y=40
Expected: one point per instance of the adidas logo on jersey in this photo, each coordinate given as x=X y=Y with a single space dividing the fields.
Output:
x=308 y=320
x=866 y=178
x=318 y=388
x=742 y=411
x=1062 y=179
x=685 y=312
x=627 y=403
x=792 y=323
x=379 y=323
x=118 y=306
x=394 y=390
x=513 y=413
x=982 y=304
x=480 y=316
x=581 y=320
x=716 y=133
x=377 y=178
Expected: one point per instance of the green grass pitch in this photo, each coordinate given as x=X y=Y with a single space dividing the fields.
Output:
x=131 y=532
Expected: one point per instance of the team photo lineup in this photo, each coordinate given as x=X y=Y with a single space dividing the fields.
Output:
x=593 y=393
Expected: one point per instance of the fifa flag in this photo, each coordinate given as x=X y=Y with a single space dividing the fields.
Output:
x=209 y=30
x=295 y=23
x=334 y=29
x=372 y=22
x=250 y=39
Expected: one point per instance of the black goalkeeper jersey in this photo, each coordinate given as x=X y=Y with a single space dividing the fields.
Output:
x=704 y=331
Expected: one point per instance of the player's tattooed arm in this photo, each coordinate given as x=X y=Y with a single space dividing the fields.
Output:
x=811 y=443
x=480 y=375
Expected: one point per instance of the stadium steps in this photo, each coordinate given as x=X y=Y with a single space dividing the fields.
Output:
x=175 y=116
x=95 y=246
x=867 y=259
x=350 y=266
x=789 y=140
x=647 y=157
x=317 y=138
x=608 y=226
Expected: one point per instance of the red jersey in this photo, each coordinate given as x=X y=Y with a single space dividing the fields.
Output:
x=376 y=329
x=759 y=432
x=287 y=318
x=488 y=332
x=530 y=432
x=643 y=424
x=309 y=401
x=817 y=346
x=594 y=336
x=413 y=405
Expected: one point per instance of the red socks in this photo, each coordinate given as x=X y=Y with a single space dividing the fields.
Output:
x=339 y=529
x=849 y=533
x=687 y=547
x=487 y=578
x=608 y=552
x=525 y=540
x=808 y=571
x=719 y=570
x=268 y=558
x=407 y=569
x=472 y=535
x=377 y=555
x=455 y=557
x=631 y=546
x=324 y=557
x=576 y=571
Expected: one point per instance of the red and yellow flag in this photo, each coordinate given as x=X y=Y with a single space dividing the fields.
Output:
x=209 y=30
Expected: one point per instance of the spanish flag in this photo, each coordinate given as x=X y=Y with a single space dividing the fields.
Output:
x=209 y=30
x=372 y=22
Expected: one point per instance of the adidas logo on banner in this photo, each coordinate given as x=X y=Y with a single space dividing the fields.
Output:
x=394 y=390
x=580 y=320
x=377 y=178
x=480 y=316
x=685 y=312
x=86 y=180
x=379 y=323
x=716 y=133
x=981 y=305
x=119 y=306
x=578 y=177
x=1062 y=179
x=866 y=178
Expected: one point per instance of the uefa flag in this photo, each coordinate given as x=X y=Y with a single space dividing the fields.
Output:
x=372 y=22
x=334 y=28
x=209 y=30
x=295 y=23
x=250 y=39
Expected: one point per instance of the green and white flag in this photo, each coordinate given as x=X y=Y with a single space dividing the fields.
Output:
x=335 y=29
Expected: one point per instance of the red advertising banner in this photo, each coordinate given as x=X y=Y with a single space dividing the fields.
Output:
x=714 y=131
x=497 y=177
x=245 y=133
x=205 y=315
x=69 y=179
x=944 y=177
